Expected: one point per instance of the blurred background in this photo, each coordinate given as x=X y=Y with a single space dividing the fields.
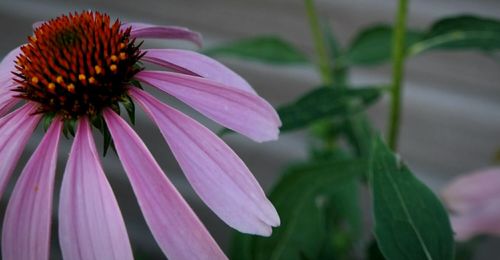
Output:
x=451 y=116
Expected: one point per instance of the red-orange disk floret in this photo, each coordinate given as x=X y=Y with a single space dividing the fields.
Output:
x=77 y=64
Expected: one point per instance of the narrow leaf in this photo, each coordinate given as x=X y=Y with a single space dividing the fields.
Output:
x=47 y=121
x=108 y=141
x=129 y=107
x=69 y=128
x=373 y=45
x=410 y=221
x=462 y=32
x=324 y=103
x=335 y=51
x=267 y=49
x=100 y=124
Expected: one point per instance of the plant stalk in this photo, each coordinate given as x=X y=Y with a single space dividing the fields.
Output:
x=398 y=59
x=324 y=65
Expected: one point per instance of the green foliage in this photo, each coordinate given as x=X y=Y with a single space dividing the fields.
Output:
x=318 y=201
x=47 y=120
x=374 y=252
x=410 y=221
x=267 y=49
x=302 y=197
x=241 y=247
x=462 y=32
x=373 y=46
x=99 y=123
x=326 y=102
x=335 y=51
x=129 y=106
x=343 y=221
x=359 y=134
x=69 y=126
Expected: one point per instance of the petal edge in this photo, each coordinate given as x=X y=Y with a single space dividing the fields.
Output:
x=216 y=173
x=176 y=228
x=235 y=109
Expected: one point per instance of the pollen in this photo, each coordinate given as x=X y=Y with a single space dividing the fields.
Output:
x=63 y=66
x=71 y=88
x=51 y=87
x=59 y=80
x=98 y=70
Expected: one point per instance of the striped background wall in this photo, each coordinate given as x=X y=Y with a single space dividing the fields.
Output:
x=452 y=101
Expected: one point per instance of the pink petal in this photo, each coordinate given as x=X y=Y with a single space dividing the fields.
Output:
x=7 y=101
x=26 y=227
x=216 y=173
x=174 y=225
x=235 y=109
x=190 y=62
x=7 y=66
x=472 y=190
x=481 y=221
x=15 y=131
x=143 y=30
x=90 y=223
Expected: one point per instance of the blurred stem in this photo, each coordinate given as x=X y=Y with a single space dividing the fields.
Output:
x=319 y=44
x=398 y=58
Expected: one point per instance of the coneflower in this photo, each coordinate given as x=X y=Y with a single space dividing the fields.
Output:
x=73 y=75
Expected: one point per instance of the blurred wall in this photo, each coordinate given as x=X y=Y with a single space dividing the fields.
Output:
x=451 y=104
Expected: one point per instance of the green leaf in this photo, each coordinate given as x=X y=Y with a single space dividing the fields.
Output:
x=129 y=107
x=47 y=120
x=359 y=133
x=410 y=221
x=339 y=72
x=241 y=246
x=373 y=46
x=332 y=43
x=323 y=103
x=374 y=252
x=99 y=123
x=301 y=198
x=343 y=221
x=267 y=49
x=69 y=126
x=108 y=140
x=462 y=32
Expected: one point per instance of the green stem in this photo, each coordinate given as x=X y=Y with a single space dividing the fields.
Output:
x=319 y=44
x=398 y=59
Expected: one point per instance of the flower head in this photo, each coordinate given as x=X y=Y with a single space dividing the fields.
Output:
x=474 y=202
x=77 y=65
x=74 y=73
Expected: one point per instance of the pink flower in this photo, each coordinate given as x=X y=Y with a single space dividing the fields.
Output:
x=474 y=202
x=75 y=71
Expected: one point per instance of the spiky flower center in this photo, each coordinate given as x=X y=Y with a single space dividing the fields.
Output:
x=77 y=64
